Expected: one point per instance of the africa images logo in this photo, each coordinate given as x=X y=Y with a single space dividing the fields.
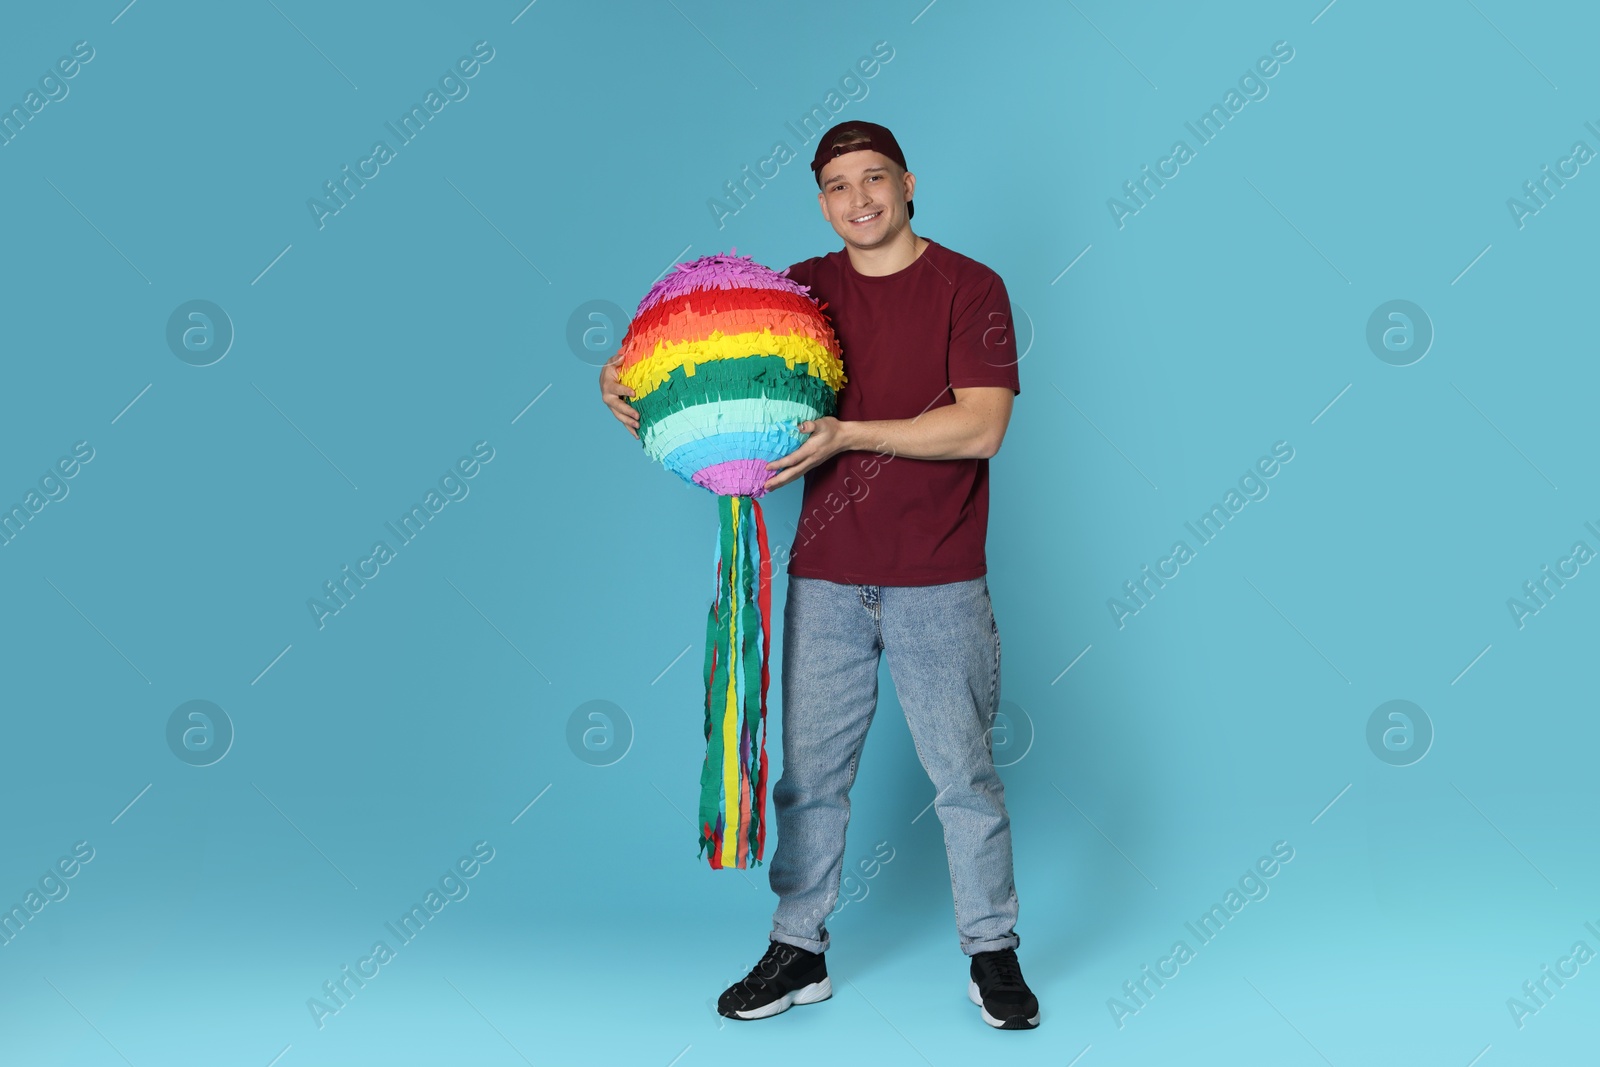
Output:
x=1252 y=487
x=452 y=83
x=452 y=487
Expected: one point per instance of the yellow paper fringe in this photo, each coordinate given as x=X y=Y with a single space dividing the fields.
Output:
x=733 y=829
x=645 y=376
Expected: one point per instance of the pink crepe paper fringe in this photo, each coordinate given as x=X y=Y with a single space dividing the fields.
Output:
x=718 y=272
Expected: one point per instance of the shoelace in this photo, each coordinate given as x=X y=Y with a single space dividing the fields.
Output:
x=1005 y=972
x=766 y=969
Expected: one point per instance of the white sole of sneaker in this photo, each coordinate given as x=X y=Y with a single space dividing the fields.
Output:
x=977 y=998
x=807 y=995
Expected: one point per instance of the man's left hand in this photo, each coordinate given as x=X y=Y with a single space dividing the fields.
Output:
x=827 y=439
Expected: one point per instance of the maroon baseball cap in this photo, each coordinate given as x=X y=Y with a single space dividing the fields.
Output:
x=855 y=136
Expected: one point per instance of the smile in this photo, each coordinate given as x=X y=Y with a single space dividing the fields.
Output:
x=863 y=220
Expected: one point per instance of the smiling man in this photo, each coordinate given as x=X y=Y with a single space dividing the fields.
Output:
x=888 y=559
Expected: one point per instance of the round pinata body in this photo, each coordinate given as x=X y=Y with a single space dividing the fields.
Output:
x=726 y=358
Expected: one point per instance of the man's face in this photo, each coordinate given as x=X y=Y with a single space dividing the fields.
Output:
x=865 y=185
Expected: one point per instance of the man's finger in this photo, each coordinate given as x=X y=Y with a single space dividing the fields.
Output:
x=795 y=469
x=784 y=478
x=796 y=456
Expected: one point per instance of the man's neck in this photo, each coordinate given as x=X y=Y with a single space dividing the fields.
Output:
x=891 y=257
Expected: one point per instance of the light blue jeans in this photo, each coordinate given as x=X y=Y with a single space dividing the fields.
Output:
x=944 y=657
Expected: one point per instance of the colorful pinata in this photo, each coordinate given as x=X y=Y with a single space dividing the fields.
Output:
x=726 y=358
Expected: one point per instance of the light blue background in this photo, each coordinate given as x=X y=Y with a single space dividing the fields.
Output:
x=427 y=315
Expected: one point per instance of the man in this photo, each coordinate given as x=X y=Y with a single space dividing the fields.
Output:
x=889 y=559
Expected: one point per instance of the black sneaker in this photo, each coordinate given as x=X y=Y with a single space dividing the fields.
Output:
x=997 y=987
x=785 y=976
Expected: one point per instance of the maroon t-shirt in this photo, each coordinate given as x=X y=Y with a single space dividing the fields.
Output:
x=871 y=518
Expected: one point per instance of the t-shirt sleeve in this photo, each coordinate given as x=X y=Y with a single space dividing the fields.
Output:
x=799 y=273
x=983 y=343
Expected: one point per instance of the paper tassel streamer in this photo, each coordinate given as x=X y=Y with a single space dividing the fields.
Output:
x=726 y=358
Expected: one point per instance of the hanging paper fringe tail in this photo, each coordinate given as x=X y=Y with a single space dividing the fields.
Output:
x=733 y=780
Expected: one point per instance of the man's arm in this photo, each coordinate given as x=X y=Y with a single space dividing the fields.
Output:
x=971 y=428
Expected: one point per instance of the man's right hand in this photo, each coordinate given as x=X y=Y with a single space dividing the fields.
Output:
x=612 y=392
